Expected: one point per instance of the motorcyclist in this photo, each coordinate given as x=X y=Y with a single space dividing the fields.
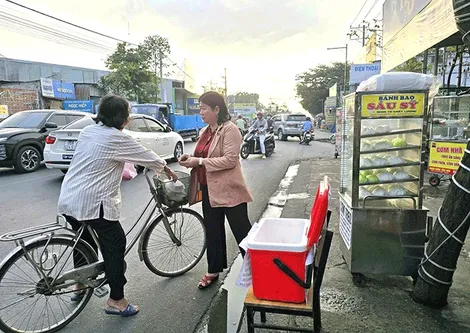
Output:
x=307 y=127
x=261 y=125
x=240 y=122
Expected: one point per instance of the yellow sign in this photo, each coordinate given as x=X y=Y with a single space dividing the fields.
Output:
x=371 y=48
x=393 y=105
x=349 y=104
x=444 y=157
x=3 y=111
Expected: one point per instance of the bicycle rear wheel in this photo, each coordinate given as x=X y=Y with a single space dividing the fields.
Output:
x=166 y=258
x=29 y=302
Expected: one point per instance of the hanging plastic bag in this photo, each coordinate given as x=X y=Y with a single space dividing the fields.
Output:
x=129 y=171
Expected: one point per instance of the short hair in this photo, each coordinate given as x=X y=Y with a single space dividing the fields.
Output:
x=113 y=111
x=214 y=99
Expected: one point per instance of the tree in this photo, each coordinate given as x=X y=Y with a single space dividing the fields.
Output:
x=313 y=85
x=130 y=75
x=247 y=97
x=157 y=50
x=454 y=215
x=411 y=65
x=211 y=86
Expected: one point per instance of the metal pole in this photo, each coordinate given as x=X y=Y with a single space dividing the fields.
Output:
x=161 y=76
x=363 y=35
x=345 y=71
x=425 y=62
x=225 y=80
x=436 y=61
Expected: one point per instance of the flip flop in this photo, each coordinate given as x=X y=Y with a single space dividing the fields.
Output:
x=207 y=280
x=131 y=310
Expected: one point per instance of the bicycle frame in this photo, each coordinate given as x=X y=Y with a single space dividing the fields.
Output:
x=83 y=274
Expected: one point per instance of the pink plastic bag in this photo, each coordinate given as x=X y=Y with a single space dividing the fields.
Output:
x=129 y=171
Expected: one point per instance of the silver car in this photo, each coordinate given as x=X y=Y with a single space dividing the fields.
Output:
x=286 y=125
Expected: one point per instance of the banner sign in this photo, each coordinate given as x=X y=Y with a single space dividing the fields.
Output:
x=362 y=72
x=3 y=111
x=333 y=90
x=243 y=108
x=397 y=14
x=57 y=89
x=392 y=105
x=84 y=106
x=444 y=157
x=193 y=105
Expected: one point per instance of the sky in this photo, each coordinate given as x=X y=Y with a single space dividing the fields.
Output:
x=263 y=44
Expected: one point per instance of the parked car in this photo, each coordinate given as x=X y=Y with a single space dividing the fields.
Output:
x=23 y=134
x=286 y=125
x=152 y=134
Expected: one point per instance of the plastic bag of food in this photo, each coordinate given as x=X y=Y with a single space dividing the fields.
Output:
x=366 y=130
x=366 y=162
x=401 y=175
x=379 y=161
x=129 y=171
x=396 y=190
x=383 y=129
x=385 y=177
x=398 y=81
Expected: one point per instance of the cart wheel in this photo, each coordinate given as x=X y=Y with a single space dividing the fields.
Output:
x=359 y=279
x=434 y=181
x=336 y=155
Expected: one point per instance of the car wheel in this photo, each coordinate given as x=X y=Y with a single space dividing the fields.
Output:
x=28 y=159
x=281 y=136
x=194 y=139
x=178 y=152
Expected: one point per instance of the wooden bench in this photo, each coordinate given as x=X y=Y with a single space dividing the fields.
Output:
x=309 y=309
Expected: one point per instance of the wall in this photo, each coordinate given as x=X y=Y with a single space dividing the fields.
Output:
x=19 y=99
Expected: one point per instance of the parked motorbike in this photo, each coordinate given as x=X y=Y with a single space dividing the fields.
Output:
x=251 y=144
x=307 y=137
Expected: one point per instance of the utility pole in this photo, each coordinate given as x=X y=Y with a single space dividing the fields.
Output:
x=161 y=74
x=345 y=65
x=225 y=83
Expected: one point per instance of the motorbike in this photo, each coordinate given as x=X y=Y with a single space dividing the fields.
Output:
x=307 y=137
x=251 y=144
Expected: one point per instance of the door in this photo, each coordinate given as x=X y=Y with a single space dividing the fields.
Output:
x=139 y=131
x=162 y=140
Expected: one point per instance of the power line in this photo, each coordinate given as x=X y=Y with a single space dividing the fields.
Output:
x=360 y=10
x=69 y=23
x=371 y=8
x=89 y=30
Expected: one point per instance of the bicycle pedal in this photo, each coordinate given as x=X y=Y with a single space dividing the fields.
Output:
x=101 y=292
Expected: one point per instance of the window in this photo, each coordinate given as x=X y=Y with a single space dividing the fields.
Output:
x=154 y=126
x=137 y=125
x=73 y=117
x=148 y=110
x=24 y=120
x=82 y=123
x=296 y=118
x=59 y=119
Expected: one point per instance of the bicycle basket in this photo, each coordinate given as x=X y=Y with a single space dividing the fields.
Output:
x=166 y=192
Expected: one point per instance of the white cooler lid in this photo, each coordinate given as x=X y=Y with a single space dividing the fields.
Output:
x=279 y=234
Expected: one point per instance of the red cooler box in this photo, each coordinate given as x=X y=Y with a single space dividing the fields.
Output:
x=286 y=240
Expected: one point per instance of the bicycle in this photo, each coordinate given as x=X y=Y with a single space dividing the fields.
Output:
x=39 y=273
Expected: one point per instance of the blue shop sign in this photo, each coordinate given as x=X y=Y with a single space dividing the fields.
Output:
x=57 y=89
x=84 y=106
x=193 y=105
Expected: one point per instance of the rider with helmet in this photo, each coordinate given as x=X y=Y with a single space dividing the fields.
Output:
x=261 y=125
x=307 y=127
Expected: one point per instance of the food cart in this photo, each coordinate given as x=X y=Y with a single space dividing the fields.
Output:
x=449 y=132
x=382 y=218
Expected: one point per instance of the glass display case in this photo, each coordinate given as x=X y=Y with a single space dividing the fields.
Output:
x=383 y=141
x=382 y=218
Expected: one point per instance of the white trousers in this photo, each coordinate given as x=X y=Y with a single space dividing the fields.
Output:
x=262 y=137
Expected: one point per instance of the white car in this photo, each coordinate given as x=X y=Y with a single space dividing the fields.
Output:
x=150 y=133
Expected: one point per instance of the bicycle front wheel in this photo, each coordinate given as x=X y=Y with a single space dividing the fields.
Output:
x=167 y=258
x=30 y=302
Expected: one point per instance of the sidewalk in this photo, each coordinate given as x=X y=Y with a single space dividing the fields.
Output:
x=384 y=305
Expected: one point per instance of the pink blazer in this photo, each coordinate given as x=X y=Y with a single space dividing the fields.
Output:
x=225 y=181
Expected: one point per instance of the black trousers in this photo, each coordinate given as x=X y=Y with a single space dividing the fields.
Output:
x=214 y=221
x=112 y=241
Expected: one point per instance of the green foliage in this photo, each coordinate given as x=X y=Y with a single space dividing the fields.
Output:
x=157 y=49
x=313 y=85
x=411 y=65
x=130 y=75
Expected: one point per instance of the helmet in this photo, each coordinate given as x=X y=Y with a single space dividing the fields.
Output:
x=260 y=113
x=308 y=118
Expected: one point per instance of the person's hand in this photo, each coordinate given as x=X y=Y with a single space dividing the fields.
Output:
x=170 y=174
x=191 y=162
x=184 y=157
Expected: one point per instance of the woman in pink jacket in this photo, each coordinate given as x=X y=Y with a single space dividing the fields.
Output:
x=217 y=179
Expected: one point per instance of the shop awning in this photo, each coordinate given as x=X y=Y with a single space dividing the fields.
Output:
x=434 y=25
